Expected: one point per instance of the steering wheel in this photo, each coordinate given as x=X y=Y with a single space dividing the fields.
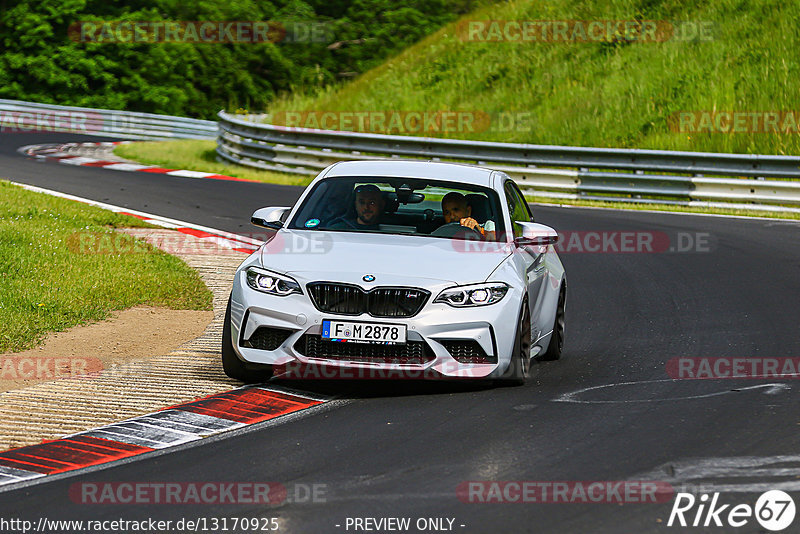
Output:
x=455 y=229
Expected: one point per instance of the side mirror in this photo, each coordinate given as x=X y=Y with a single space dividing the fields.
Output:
x=536 y=234
x=271 y=217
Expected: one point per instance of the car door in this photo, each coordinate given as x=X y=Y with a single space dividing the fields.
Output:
x=531 y=258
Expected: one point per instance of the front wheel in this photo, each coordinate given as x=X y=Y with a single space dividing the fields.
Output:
x=232 y=365
x=519 y=368
x=556 y=345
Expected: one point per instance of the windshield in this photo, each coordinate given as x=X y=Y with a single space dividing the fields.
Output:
x=408 y=206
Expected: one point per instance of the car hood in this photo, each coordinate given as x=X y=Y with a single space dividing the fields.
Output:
x=392 y=259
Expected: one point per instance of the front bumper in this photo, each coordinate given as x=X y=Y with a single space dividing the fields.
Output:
x=437 y=326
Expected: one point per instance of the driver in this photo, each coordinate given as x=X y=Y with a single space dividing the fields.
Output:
x=456 y=209
x=369 y=206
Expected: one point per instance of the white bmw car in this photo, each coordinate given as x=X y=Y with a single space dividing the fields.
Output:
x=415 y=269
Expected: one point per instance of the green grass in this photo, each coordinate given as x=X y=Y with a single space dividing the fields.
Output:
x=199 y=155
x=599 y=94
x=48 y=285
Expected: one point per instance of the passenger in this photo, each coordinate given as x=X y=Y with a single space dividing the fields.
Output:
x=369 y=205
x=456 y=209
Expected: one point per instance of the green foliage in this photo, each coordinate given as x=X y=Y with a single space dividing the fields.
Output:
x=39 y=61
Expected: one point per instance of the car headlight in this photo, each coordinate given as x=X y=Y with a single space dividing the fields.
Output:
x=271 y=283
x=473 y=295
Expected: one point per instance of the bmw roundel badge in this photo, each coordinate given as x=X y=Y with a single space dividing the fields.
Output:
x=368 y=278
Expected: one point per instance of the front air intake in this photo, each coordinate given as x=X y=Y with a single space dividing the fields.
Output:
x=386 y=302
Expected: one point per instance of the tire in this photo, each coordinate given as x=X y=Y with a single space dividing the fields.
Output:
x=519 y=368
x=232 y=365
x=556 y=345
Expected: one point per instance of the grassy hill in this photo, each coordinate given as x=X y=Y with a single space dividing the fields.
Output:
x=613 y=92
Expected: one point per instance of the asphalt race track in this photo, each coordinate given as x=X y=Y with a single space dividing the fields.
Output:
x=402 y=449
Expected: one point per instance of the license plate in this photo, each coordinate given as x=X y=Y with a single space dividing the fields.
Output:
x=364 y=332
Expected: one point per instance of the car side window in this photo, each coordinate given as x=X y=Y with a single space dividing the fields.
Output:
x=517 y=207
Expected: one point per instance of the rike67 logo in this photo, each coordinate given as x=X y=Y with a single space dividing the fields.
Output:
x=774 y=510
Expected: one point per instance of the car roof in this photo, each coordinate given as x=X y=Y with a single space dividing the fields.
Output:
x=449 y=172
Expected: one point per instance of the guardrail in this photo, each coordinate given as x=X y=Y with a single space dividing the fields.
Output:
x=16 y=115
x=641 y=176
